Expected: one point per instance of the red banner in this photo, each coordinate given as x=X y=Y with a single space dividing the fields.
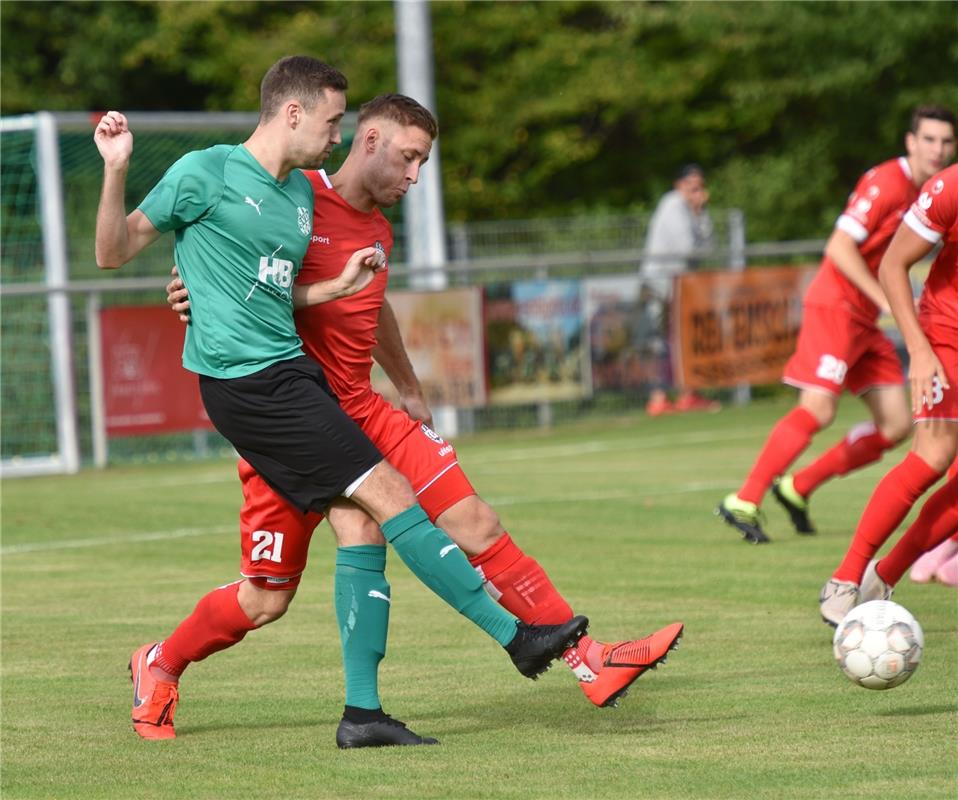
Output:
x=736 y=327
x=145 y=388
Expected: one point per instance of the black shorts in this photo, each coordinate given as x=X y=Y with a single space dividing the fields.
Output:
x=285 y=421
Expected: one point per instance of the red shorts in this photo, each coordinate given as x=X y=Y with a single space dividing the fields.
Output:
x=275 y=535
x=944 y=401
x=836 y=351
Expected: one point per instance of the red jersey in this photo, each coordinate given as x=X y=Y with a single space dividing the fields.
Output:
x=934 y=217
x=871 y=217
x=341 y=334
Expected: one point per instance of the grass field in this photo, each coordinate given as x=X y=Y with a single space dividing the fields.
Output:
x=620 y=514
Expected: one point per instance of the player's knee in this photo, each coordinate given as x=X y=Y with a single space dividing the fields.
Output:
x=488 y=526
x=820 y=406
x=263 y=605
x=896 y=430
x=472 y=524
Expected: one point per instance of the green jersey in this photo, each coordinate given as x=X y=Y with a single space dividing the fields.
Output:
x=240 y=240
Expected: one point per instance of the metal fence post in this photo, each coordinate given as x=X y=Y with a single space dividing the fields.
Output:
x=57 y=276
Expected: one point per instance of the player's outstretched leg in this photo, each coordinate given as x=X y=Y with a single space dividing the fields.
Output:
x=783 y=490
x=521 y=585
x=378 y=730
x=154 y=701
x=622 y=663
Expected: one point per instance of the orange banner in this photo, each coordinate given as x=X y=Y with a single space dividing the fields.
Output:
x=442 y=332
x=736 y=327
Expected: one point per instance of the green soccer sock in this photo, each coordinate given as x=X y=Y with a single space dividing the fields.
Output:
x=439 y=563
x=362 y=611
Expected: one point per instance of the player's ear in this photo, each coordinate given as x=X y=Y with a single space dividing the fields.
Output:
x=371 y=139
x=293 y=112
x=910 y=141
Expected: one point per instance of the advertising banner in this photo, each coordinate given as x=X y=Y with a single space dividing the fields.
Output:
x=535 y=342
x=442 y=332
x=145 y=388
x=625 y=340
x=736 y=327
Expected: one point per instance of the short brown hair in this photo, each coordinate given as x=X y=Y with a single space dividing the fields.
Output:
x=402 y=109
x=940 y=113
x=301 y=77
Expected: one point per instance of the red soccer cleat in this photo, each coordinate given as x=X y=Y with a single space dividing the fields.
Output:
x=659 y=407
x=695 y=402
x=153 y=701
x=624 y=662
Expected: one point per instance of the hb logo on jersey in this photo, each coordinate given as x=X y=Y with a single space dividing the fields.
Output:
x=279 y=269
x=275 y=274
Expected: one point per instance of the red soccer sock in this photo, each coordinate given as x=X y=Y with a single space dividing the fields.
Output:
x=891 y=501
x=216 y=623
x=863 y=445
x=520 y=585
x=790 y=436
x=937 y=521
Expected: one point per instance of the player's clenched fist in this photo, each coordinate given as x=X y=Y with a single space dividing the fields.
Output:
x=113 y=139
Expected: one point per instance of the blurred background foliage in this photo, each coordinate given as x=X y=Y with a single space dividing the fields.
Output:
x=545 y=108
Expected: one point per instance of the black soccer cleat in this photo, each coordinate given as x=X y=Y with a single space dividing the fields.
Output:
x=386 y=732
x=535 y=646
x=744 y=517
x=783 y=490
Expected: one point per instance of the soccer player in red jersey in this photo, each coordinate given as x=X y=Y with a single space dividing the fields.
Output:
x=931 y=336
x=392 y=142
x=839 y=345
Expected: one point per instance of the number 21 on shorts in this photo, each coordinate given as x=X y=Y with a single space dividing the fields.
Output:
x=267 y=545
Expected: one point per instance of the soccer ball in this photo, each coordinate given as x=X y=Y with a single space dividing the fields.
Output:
x=878 y=644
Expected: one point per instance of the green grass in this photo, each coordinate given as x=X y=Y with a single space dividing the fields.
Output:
x=620 y=514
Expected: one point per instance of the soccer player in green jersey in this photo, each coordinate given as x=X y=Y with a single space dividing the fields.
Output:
x=242 y=217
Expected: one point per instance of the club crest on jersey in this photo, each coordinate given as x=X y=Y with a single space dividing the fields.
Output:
x=381 y=248
x=302 y=217
x=431 y=434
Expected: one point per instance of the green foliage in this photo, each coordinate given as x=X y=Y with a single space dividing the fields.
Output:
x=546 y=108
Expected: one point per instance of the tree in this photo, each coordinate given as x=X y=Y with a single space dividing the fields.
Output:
x=546 y=109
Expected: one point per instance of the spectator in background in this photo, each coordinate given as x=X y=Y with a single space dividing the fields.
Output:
x=680 y=227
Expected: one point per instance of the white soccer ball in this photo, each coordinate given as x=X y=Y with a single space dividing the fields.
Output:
x=878 y=644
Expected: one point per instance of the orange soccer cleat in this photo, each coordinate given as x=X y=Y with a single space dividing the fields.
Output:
x=692 y=401
x=154 y=701
x=624 y=662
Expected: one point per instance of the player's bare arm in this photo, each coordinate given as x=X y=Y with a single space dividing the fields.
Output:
x=356 y=276
x=390 y=353
x=843 y=250
x=118 y=237
x=907 y=248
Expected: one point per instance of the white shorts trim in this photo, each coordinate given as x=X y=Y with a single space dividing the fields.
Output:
x=348 y=491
